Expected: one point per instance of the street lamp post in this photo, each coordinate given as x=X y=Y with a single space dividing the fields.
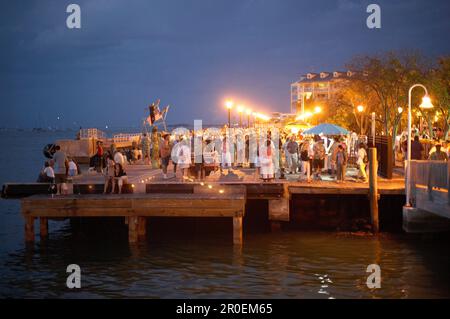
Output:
x=240 y=109
x=426 y=104
x=229 y=105
x=249 y=112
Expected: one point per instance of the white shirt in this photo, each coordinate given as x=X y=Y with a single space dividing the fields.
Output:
x=72 y=166
x=119 y=159
x=48 y=171
x=361 y=154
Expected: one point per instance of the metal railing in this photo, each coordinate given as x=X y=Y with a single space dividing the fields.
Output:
x=432 y=175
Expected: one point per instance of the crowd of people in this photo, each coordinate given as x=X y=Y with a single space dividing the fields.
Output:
x=194 y=154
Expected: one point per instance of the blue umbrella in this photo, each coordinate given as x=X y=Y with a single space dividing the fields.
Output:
x=326 y=129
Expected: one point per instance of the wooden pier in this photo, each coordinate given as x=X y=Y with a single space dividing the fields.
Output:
x=135 y=208
x=148 y=195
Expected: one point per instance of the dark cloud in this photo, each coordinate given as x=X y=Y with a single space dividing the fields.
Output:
x=191 y=54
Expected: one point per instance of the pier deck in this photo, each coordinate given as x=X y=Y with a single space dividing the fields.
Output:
x=149 y=195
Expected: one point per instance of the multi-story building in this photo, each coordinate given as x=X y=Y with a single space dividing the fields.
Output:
x=317 y=86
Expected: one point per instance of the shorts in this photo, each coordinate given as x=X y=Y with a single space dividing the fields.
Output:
x=318 y=163
x=165 y=161
x=60 y=178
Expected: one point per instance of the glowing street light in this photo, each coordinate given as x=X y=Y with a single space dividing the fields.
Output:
x=317 y=109
x=426 y=104
x=248 y=112
x=400 y=110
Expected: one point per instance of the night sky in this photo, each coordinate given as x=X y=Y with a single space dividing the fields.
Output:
x=192 y=54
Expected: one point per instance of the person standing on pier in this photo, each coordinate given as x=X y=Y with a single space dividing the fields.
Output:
x=145 y=144
x=306 y=155
x=319 y=157
x=61 y=167
x=165 y=151
x=266 y=158
x=226 y=155
x=183 y=157
x=416 y=149
x=292 y=155
x=156 y=140
x=341 y=164
x=361 y=162
x=120 y=176
x=438 y=155
x=99 y=164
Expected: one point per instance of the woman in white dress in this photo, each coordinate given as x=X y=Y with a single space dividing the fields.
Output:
x=266 y=153
x=184 y=159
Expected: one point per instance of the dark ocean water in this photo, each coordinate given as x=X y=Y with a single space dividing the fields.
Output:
x=168 y=264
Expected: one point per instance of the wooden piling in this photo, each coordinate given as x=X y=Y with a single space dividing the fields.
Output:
x=237 y=230
x=142 y=227
x=133 y=229
x=373 y=189
x=43 y=227
x=29 y=229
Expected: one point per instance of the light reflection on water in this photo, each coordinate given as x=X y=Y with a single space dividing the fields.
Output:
x=278 y=265
x=283 y=265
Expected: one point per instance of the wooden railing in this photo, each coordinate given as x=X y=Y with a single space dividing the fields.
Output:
x=432 y=175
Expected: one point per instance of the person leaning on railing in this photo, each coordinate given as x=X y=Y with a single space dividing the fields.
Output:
x=438 y=155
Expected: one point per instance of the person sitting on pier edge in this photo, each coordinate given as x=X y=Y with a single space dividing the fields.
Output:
x=47 y=175
x=120 y=176
x=109 y=173
x=61 y=168
x=438 y=155
x=165 y=151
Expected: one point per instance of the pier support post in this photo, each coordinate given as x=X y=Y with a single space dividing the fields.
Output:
x=29 y=229
x=142 y=226
x=373 y=189
x=43 y=227
x=133 y=229
x=237 y=230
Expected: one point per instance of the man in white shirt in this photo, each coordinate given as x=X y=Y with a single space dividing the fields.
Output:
x=362 y=156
